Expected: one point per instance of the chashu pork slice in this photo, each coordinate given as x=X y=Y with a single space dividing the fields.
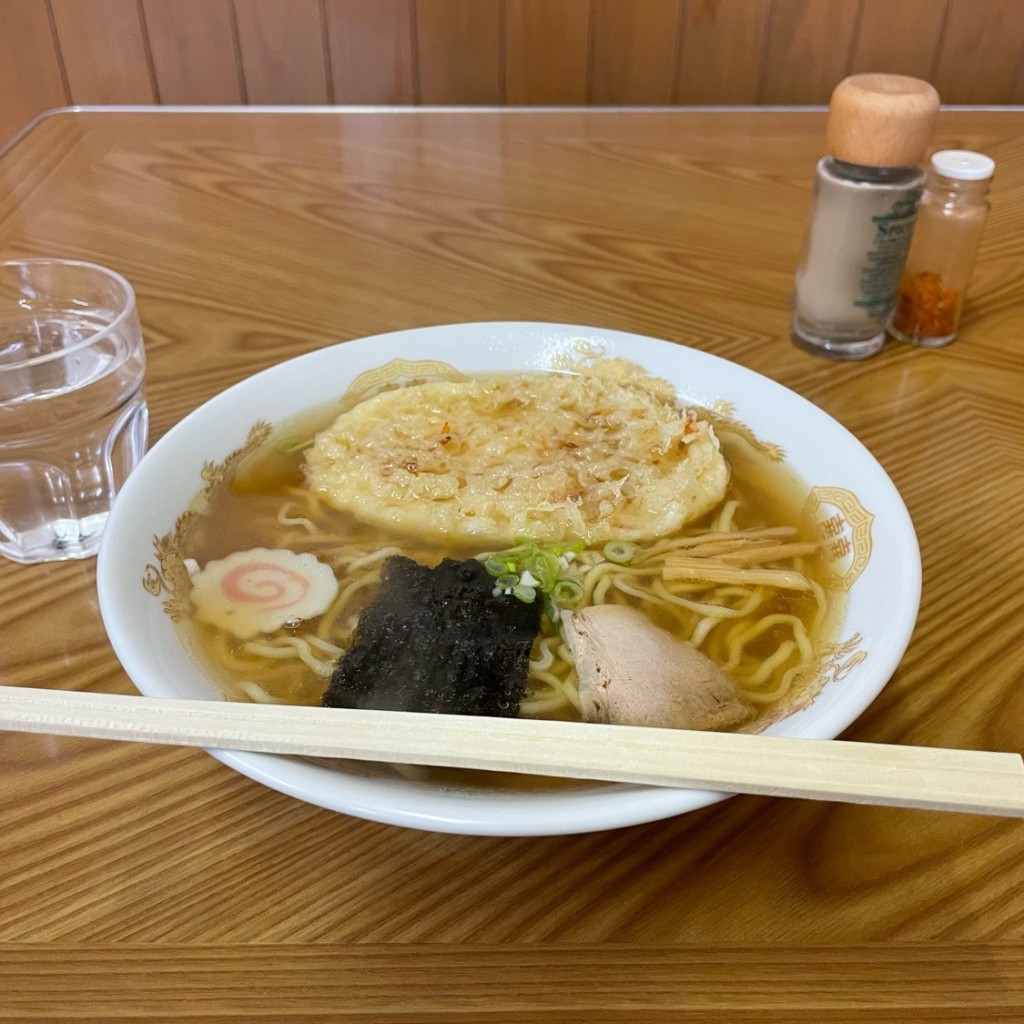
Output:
x=632 y=672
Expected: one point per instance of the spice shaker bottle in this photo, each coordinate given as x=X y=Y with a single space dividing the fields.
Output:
x=866 y=193
x=950 y=221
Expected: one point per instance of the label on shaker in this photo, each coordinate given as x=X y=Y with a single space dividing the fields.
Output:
x=883 y=266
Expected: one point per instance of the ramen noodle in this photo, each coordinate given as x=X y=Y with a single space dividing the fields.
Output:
x=574 y=491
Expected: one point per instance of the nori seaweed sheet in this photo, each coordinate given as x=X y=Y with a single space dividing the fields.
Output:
x=438 y=640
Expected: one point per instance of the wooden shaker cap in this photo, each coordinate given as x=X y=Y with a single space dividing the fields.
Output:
x=881 y=120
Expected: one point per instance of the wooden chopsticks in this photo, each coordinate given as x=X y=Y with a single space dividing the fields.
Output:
x=901 y=776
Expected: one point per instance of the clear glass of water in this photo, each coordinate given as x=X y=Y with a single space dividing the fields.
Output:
x=73 y=417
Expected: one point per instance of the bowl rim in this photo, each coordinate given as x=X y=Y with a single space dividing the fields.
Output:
x=505 y=813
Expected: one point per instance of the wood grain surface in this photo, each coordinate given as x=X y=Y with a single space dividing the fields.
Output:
x=104 y=48
x=458 y=52
x=193 y=45
x=489 y=51
x=902 y=38
x=371 y=51
x=634 y=51
x=525 y=984
x=797 y=68
x=32 y=76
x=547 y=48
x=977 y=33
x=153 y=884
x=282 y=48
x=721 y=55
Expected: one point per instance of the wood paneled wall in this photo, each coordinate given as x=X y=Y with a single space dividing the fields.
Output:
x=55 y=52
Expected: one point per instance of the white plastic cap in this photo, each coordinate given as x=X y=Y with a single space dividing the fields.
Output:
x=963 y=164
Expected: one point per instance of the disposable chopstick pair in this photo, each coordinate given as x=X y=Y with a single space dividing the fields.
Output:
x=975 y=781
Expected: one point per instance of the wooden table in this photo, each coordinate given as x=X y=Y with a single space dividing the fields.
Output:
x=153 y=884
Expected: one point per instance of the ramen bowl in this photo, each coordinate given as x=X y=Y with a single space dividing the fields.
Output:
x=863 y=525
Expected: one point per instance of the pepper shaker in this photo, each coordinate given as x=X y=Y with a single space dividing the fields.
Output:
x=866 y=192
x=950 y=221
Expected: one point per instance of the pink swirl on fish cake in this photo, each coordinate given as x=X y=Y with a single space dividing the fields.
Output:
x=265 y=584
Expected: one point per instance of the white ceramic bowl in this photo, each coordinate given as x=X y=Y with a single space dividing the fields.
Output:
x=862 y=516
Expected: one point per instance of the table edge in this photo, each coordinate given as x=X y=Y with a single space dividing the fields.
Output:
x=178 y=108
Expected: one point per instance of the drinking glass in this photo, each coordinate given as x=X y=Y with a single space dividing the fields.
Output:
x=73 y=416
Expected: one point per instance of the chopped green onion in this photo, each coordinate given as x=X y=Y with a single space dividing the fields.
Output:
x=529 y=569
x=567 y=593
x=620 y=551
x=566 y=548
x=544 y=569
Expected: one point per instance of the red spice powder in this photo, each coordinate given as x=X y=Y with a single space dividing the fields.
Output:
x=926 y=308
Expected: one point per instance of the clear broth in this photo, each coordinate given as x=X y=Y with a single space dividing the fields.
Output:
x=240 y=512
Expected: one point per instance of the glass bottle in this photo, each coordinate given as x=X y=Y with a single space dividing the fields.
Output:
x=866 y=194
x=950 y=222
